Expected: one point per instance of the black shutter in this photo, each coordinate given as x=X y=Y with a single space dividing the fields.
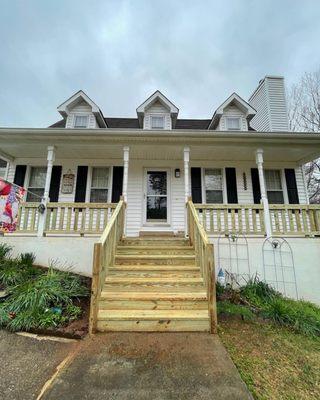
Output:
x=291 y=182
x=255 y=185
x=55 y=183
x=117 y=181
x=20 y=174
x=231 y=179
x=196 y=191
x=81 y=186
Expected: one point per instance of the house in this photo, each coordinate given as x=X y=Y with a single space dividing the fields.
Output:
x=172 y=186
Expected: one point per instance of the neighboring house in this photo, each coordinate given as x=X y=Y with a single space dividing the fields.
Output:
x=241 y=167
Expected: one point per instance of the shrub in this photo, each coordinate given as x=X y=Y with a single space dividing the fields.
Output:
x=225 y=307
x=16 y=270
x=5 y=251
x=258 y=292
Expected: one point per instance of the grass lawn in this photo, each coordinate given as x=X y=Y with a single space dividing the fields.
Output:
x=274 y=362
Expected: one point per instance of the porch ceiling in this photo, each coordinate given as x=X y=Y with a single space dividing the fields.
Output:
x=158 y=145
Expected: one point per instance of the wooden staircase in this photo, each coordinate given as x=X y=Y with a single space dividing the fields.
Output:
x=152 y=283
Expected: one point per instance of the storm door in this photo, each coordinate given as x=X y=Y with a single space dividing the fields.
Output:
x=156 y=196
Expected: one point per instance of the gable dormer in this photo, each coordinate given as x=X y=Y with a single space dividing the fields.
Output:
x=157 y=112
x=234 y=114
x=80 y=111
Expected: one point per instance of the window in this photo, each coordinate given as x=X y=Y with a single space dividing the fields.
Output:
x=157 y=122
x=81 y=121
x=233 y=124
x=36 y=183
x=99 y=185
x=3 y=168
x=213 y=185
x=274 y=186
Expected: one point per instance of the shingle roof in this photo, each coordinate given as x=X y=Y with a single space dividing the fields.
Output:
x=133 y=123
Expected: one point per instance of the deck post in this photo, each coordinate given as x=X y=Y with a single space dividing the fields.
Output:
x=125 y=183
x=264 y=198
x=45 y=199
x=186 y=159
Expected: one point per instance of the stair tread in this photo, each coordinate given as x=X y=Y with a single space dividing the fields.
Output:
x=156 y=256
x=152 y=314
x=153 y=247
x=165 y=279
x=146 y=295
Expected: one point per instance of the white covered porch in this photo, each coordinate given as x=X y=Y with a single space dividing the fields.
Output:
x=168 y=157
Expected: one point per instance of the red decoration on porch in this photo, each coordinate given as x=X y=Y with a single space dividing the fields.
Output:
x=10 y=198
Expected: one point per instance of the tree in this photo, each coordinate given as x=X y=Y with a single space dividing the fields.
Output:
x=304 y=115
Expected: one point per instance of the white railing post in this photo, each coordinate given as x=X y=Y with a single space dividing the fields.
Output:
x=125 y=183
x=45 y=199
x=264 y=198
x=186 y=159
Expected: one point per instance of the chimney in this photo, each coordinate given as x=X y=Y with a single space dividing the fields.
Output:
x=269 y=99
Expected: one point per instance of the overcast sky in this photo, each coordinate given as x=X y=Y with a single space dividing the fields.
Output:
x=196 y=52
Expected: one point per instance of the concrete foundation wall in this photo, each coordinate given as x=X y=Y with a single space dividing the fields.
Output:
x=77 y=252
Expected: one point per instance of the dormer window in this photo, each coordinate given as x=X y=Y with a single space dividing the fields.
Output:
x=157 y=122
x=233 y=124
x=81 y=121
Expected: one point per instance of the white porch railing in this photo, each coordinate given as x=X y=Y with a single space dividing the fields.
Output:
x=66 y=218
x=299 y=220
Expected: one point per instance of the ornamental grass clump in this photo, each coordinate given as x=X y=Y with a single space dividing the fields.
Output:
x=37 y=297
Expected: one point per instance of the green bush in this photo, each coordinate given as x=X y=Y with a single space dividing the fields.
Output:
x=37 y=298
x=225 y=307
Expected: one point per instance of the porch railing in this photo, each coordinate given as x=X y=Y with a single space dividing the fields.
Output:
x=66 y=218
x=82 y=218
x=204 y=258
x=103 y=258
x=293 y=219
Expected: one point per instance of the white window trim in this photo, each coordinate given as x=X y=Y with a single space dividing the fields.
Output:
x=203 y=189
x=283 y=183
x=89 y=181
x=158 y=116
x=75 y=115
x=27 y=178
x=229 y=118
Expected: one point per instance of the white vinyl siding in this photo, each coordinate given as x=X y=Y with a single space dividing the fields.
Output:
x=269 y=99
x=82 y=108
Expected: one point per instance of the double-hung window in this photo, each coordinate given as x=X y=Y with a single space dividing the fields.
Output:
x=99 y=185
x=213 y=185
x=3 y=168
x=233 y=124
x=157 y=122
x=81 y=121
x=37 y=183
x=274 y=186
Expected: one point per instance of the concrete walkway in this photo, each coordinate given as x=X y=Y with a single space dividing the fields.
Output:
x=27 y=364
x=165 y=366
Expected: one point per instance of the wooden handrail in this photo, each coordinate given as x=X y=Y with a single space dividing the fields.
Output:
x=204 y=259
x=103 y=258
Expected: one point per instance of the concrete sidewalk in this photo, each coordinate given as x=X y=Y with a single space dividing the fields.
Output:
x=27 y=364
x=166 y=366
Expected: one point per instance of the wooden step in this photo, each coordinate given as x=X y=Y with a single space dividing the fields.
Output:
x=137 y=280
x=152 y=267
x=154 y=287
x=155 y=259
x=154 y=274
x=153 y=320
x=155 y=250
x=142 y=295
x=154 y=241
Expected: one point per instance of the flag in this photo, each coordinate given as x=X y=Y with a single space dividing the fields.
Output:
x=10 y=199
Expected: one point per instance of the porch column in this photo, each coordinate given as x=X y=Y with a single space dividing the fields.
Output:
x=125 y=173
x=186 y=159
x=264 y=198
x=45 y=198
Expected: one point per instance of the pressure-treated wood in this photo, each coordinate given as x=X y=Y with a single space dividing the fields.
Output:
x=248 y=219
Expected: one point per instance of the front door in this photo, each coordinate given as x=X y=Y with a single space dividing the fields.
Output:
x=156 y=196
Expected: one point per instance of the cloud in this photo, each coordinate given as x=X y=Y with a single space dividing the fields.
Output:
x=119 y=52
